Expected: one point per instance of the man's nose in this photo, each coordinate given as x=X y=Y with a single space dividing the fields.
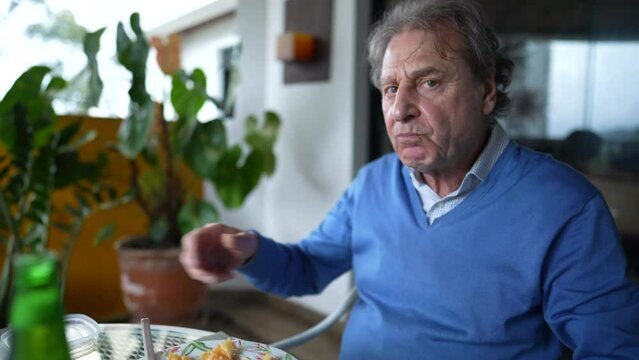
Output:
x=406 y=105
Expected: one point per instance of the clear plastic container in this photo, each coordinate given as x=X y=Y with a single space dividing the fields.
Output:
x=81 y=331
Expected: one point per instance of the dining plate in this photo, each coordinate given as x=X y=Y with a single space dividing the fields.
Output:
x=248 y=350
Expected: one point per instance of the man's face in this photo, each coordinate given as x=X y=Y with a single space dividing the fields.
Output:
x=433 y=108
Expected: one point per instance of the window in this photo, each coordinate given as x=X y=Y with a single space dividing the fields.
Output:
x=48 y=32
x=578 y=100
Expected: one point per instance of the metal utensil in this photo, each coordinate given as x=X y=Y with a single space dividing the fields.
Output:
x=147 y=341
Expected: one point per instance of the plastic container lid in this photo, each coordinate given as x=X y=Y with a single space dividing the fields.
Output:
x=81 y=331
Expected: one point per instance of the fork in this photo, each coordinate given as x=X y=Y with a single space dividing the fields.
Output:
x=147 y=341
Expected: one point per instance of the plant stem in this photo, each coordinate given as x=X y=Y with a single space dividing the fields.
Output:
x=139 y=197
x=68 y=248
x=7 y=268
x=172 y=181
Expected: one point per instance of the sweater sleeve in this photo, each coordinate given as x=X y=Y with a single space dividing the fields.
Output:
x=589 y=301
x=309 y=266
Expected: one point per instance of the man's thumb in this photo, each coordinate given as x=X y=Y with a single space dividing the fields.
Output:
x=242 y=245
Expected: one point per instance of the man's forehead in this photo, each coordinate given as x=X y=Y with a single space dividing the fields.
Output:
x=440 y=37
x=411 y=47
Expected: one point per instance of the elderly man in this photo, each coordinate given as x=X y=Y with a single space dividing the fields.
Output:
x=463 y=244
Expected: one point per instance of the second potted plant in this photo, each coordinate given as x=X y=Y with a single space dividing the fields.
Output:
x=163 y=155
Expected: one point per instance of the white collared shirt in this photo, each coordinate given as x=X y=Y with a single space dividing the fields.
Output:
x=435 y=206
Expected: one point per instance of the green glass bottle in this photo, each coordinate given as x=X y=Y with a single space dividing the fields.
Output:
x=37 y=316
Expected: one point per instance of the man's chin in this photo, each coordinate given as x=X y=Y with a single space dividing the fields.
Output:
x=413 y=157
x=416 y=164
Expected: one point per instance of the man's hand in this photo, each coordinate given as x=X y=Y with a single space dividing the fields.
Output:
x=211 y=253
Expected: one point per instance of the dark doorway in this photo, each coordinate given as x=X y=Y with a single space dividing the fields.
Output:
x=378 y=143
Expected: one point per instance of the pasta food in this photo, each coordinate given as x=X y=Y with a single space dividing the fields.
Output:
x=225 y=350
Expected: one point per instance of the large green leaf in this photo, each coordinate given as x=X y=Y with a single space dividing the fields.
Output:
x=234 y=181
x=56 y=84
x=205 y=148
x=251 y=172
x=28 y=91
x=27 y=86
x=134 y=130
x=226 y=179
x=132 y=54
x=271 y=126
x=265 y=136
x=91 y=46
x=263 y=139
x=188 y=95
x=43 y=119
x=133 y=50
x=26 y=96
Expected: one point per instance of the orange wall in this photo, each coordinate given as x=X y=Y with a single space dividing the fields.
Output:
x=93 y=283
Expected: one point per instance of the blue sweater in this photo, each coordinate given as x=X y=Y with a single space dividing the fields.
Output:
x=529 y=259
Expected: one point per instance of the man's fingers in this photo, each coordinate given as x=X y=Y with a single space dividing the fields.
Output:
x=208 y=277
x=189 y=261
x=211 y=253
x=242 y=245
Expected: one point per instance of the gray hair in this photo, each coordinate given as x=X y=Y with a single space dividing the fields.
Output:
x=479 y=43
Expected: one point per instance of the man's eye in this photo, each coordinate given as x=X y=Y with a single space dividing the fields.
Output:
x=431 y=83
x=390 y=90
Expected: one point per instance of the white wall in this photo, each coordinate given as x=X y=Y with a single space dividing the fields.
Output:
x=205 y=44
x=315 y=151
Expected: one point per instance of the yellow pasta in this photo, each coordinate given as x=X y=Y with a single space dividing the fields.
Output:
x=225 y=350
x=178 y=357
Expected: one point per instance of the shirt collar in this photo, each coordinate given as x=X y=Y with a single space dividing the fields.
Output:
x=496 y=144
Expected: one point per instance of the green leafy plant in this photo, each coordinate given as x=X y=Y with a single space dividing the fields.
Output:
x=83 y=89
x=158 y=148
x=39 y=157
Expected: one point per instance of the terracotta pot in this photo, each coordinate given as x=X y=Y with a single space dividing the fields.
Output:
x=155 y=285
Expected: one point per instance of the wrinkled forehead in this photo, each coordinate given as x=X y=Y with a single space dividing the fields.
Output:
x=415 y=43
x=446 y=38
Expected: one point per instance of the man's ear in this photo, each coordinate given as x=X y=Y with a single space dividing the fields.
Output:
x=489 y=98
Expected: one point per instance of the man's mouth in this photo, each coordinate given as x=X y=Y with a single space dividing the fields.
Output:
x=409 y=138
